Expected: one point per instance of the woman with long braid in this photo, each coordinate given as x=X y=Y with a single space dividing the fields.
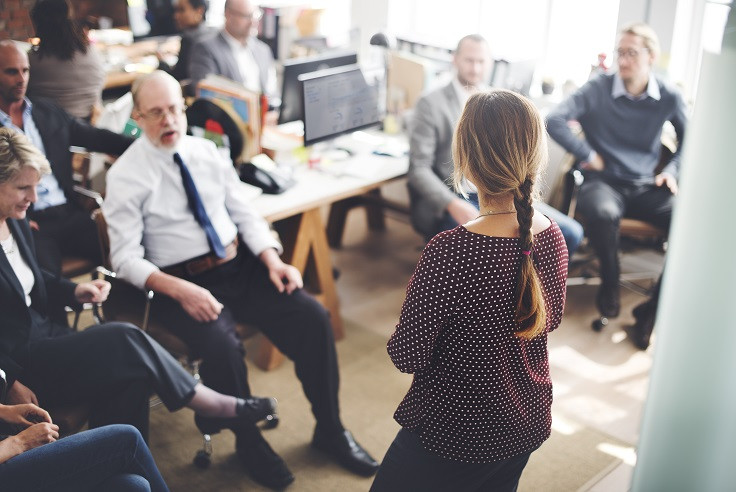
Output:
x=473 y=328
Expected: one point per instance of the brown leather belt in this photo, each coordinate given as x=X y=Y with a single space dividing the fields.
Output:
x=203 y=263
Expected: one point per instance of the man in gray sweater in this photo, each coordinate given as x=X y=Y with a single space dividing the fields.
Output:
x=622 y=115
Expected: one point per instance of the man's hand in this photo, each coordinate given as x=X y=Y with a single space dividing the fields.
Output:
x=283 y=276
x=595 y=164
x=25 y=414
x=666 y=179
x=462 y=211
x=94 y=291
x=198 y=302
x=33 y=225
x=19 y=393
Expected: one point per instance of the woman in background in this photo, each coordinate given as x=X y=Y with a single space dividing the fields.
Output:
x=473 y=328
x=189 y=16
x=64 y=67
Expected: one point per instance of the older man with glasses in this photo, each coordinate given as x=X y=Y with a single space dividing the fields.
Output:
x=622 y=115
x=235 y=52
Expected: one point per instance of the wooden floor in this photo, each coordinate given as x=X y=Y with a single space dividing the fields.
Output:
x=600 y=380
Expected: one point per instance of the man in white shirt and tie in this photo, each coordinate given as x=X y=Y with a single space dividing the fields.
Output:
x=180 y=226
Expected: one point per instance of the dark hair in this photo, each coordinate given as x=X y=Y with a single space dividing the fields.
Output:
x=500 y=145
x=60 y=35
x=200 y=4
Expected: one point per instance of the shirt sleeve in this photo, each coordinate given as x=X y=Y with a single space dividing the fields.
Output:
x=426 y=311
x=124 y=216
x=573 y=108
x=679 y=122
x=422 y=152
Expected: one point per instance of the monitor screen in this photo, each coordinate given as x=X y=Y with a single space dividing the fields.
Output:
x=291 y=91
x=337 y=101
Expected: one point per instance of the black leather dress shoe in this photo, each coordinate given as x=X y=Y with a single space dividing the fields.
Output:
x=641 y=332
x=348 y=453
x=263 y=464
x=608 y=301
x=248 y=411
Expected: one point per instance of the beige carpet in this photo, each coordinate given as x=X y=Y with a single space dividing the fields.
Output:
x=370 y=390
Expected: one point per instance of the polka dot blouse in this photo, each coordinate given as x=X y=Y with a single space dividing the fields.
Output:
x=480 y=393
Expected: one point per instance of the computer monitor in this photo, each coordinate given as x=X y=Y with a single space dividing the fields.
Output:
x=291 y=90
x=337 y=101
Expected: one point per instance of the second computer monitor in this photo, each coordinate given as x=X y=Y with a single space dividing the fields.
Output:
x=337 y=101
x=291 y=92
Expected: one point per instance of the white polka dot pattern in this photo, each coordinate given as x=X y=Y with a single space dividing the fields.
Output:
x=480 y=393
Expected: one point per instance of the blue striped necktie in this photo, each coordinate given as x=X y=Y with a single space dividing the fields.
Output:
x=197 y=208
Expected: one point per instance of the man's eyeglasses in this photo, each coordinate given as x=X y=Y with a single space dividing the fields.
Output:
x=254 y=16
x=630 y=53
x=158 y=114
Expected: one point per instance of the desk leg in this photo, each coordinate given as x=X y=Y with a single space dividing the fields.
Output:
x=373 y=203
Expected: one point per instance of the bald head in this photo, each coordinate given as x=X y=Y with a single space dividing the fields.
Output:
x=159 y=109
x=158 y=77
x=241 y=19
x=14 y=74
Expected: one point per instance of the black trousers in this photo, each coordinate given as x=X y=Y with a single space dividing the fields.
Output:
x=604 y=201
x=65 y=230
x=408 y=467
x=296 y=323
x=114 y=367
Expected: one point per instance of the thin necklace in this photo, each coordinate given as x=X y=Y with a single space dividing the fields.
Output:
x=11 y=249
x=491 y=212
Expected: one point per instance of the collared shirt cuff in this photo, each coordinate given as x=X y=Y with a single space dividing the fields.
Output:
x=138 y=276
x=259 y=246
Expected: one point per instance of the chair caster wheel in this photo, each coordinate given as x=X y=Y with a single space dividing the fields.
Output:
x=271 y=421
x=202 y=459
x=599 y=323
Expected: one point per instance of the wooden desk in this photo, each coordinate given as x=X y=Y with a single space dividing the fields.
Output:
x=296 y=214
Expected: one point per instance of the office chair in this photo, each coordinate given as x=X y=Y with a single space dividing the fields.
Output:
x=129 y=303
x=565 y=189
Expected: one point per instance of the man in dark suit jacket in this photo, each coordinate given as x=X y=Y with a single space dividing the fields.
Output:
x=61 y=226
x=235 y=52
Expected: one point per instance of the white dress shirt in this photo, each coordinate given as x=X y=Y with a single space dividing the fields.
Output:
x=19 y=265
x=149 y=220
x=249 y=69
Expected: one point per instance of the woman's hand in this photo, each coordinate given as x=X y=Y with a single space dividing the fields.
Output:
x=94 y=291
x=24 y=415
x=33 y=437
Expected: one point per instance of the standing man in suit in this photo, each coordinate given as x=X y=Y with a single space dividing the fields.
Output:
x=179 y=226
x=61 y=226
x=622 y=115
x=435 y=207
x=236 y=52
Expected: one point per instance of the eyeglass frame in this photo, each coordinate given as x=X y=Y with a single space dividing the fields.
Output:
x=630 y=53
x=158 y=114
x=254 y=16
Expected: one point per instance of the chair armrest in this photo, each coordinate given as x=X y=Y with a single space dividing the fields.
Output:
x=126 y=302
x=89 y=199
x=575 y=182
